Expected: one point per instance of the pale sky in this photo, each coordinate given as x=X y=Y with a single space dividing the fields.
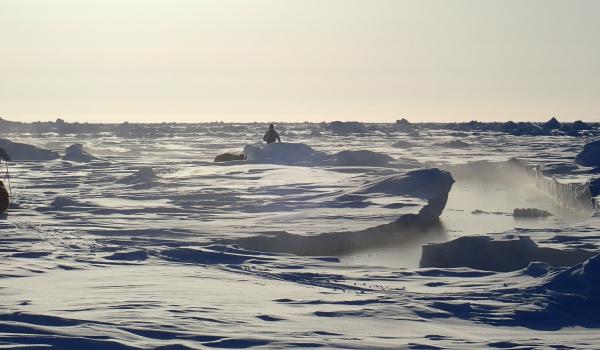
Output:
x=297 y=60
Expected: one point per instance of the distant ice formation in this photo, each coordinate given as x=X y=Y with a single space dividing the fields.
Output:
x=342 y=128
x=551 y=124
x=551 y=127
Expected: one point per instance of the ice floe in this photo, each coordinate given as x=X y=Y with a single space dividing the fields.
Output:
x=24 y=152
x=301 y=154
x=590 y=155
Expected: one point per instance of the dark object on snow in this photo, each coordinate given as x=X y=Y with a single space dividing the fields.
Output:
x=4 y=198
x=228 y=157
x=24 y=152
x=595 y=187
x=590 y=156
x=552 y=124
x=271 y=135
x=4 y=155
x=530 y=213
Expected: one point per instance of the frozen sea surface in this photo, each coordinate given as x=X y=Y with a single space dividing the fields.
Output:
x=142 y=246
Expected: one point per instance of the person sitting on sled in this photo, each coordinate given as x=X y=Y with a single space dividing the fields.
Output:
x=4 y=155
x=271 y=135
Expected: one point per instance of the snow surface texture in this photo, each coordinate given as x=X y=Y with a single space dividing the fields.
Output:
x=160 y=247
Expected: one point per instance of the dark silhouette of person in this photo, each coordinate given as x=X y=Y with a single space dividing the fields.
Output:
x=4 y=195
x=4 y=155
x=271 y=135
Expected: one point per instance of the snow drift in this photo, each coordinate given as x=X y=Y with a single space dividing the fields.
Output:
x=142 y=175
x=453 y=144
x=76 y=153
x=301 y=154
x=361 y=158
x=403 y=144
x=343 y=128
x=583 y=279
x=285 y=153
x=431 y=185
x=501 y=254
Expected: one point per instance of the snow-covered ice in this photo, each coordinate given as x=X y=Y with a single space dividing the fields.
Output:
x=136 y=239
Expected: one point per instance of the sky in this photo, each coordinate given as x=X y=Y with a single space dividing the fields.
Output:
x=299 y=60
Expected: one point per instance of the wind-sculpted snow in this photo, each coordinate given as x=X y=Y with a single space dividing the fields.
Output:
x=361 y=158
x=453 y=144
x=431 y=185
x=567 y=193
x=301 y=154
x=403 y=144
x=76 y=153
x=142 y=175
x=539 y=297
x=158 y=247
x=582 y=279
x=564 y=184
x=497 y=254
x=285 y=153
